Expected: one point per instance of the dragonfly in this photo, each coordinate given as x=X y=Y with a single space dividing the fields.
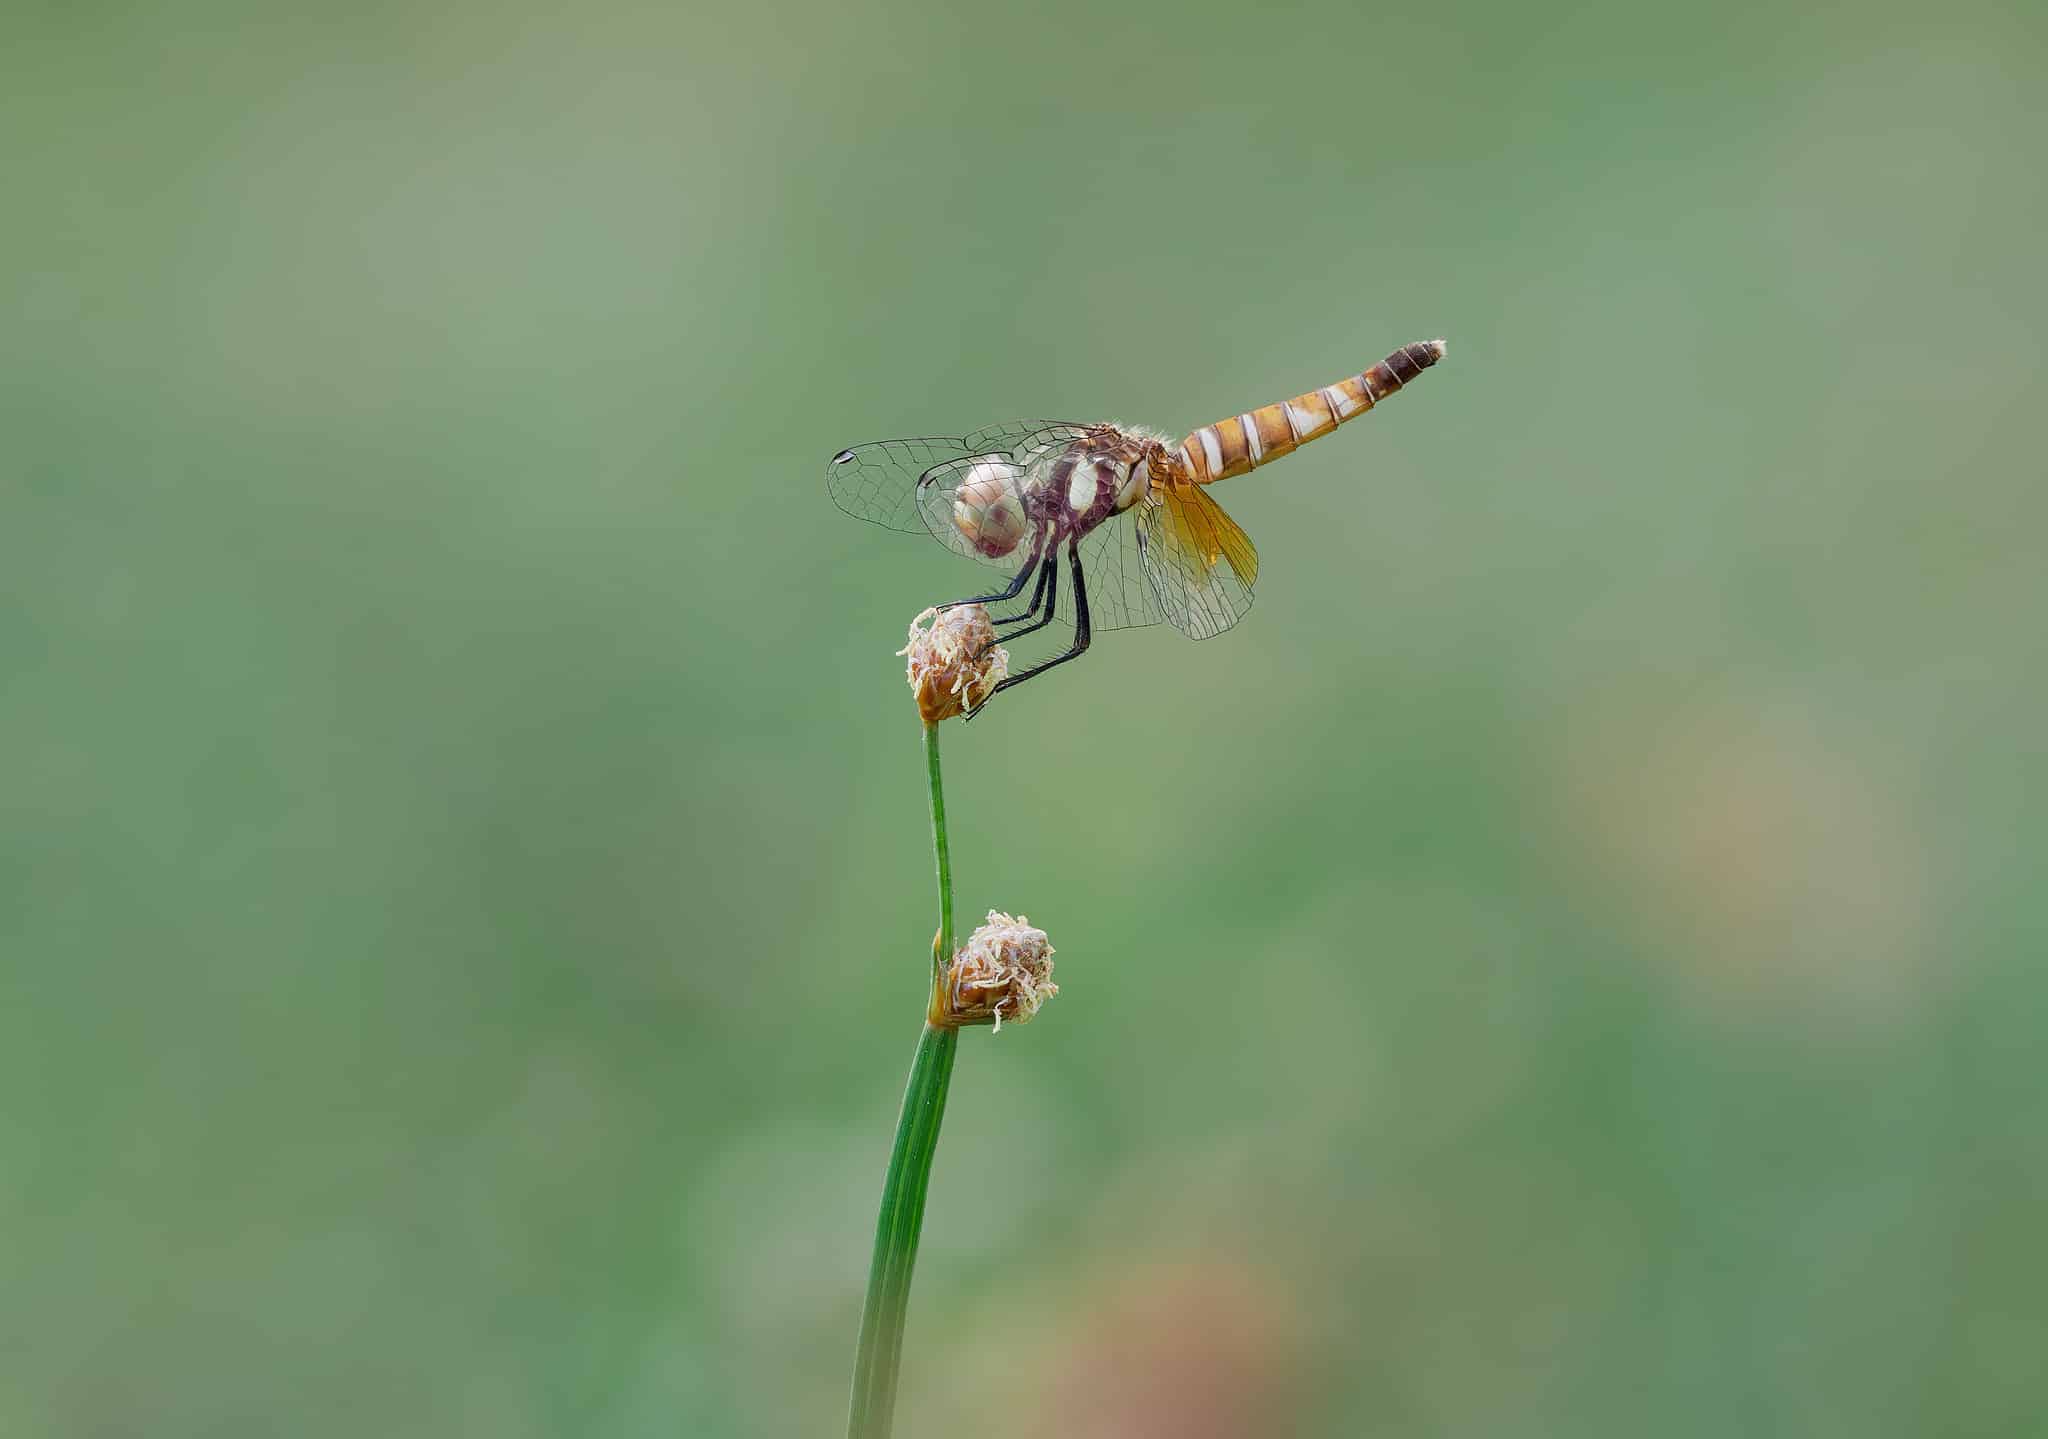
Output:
x=1130 y=511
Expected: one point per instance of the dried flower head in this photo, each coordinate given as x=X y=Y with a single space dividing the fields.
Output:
x=1004 y=971
x=954 y=661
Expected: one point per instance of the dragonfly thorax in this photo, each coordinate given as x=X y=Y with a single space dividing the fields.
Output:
x=1137 y=484
x=1090 y=480
x=1061 y=492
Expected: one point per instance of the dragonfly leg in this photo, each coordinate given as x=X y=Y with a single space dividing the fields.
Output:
x=1042 y=594
x=1016 y=586
x=1047 y=594
x=1081 y=633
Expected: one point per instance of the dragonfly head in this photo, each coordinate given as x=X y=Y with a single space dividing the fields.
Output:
x=988 y=511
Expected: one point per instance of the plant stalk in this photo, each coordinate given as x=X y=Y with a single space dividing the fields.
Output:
x=897 y=1228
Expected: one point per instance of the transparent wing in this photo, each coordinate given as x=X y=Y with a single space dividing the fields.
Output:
x=1200 y=566
x=1125 y=593
x=1121 y=595
x=908 y=484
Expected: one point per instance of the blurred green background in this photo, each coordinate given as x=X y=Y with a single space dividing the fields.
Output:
x=1569 y=963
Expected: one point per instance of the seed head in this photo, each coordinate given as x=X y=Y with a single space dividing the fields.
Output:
x=954 y=661
x=1003 y=972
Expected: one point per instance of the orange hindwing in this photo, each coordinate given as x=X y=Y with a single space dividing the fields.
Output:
x=1196 y=526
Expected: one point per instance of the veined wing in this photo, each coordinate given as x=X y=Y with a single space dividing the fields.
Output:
x=908 y=484
x=1148 y=567
x=1200 y=564
x=1120 y=594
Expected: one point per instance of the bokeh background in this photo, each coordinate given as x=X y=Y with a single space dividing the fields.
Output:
x=1571 y=962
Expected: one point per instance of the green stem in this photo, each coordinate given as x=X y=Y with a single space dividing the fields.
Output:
x=910 y=1168
x=931 y=764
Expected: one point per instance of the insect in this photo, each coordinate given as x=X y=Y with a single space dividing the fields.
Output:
x=1141 y=538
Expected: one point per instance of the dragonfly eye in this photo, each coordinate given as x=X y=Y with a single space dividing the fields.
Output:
x=988 y=512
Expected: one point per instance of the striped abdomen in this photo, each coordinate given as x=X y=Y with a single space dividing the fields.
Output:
x=1244 y=442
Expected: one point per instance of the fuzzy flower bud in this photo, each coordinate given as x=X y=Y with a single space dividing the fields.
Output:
x=1003 y=972
x=954 y=662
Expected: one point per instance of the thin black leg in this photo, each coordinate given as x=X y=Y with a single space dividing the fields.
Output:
x=1016 y=584
x=1045 y=594
x=1046 y=572
x=1081 y=633
x=1052 y=600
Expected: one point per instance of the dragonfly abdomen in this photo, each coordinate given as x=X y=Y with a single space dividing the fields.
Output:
x=1242 y=443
